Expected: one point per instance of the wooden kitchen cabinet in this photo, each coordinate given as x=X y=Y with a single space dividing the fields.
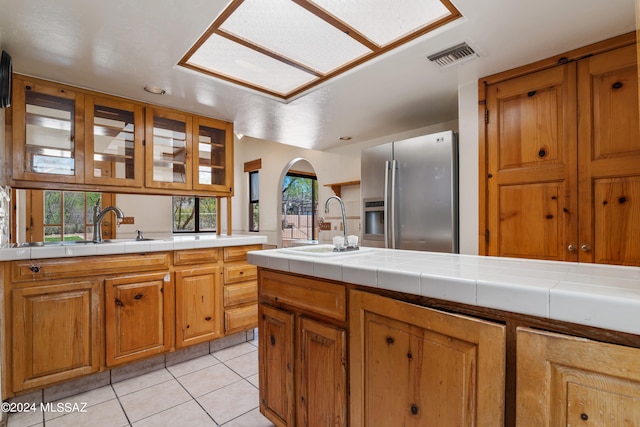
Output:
x=415 y=366
x=568 y=381
x=213 y=155
x=114 y=133
x=562 y=170
x=47 y=132
x=75 y=139
x=168 y=144
x=139 y=316
x=302 y=347
x=56 y=332
x=198 y=305
x=240 y=289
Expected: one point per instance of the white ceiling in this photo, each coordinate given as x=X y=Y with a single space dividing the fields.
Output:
x=119 y=46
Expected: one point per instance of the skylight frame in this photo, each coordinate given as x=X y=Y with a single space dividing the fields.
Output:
x=215 y=29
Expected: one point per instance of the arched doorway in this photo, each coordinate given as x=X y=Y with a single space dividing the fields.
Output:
x=298 y=216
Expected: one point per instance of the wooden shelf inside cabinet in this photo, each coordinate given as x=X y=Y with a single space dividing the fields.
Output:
x=337 y=187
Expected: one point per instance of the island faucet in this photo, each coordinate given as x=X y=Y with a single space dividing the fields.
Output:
x=344 y=219
x=98 y=216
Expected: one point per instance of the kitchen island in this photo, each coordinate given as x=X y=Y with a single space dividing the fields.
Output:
x=494 y=339
x=75 y=315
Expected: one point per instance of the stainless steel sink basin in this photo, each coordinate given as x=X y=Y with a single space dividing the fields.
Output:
x=322 y=251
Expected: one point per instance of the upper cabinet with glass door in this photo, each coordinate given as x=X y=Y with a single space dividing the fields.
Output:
x=213 y=155
x=113 y=147
x=47 y=132
x=168 y=149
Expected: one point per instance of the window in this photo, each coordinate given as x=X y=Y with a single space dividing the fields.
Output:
x=194 y=214
x=55 y=216
x=254 y=205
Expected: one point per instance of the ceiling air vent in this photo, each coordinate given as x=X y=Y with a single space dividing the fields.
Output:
x=454 y=55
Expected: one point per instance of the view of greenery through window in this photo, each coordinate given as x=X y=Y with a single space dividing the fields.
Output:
x=299 y=207
x=68 y=215
x=194 y=214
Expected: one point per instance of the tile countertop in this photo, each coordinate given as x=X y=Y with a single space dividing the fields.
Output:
x=598 y=295
x=123 y=246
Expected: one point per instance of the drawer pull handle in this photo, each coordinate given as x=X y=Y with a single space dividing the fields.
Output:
x=390 y=340
x=35 y=269
x=139 y=296
x=207 y=318
x=617 y=85
x=119 y=303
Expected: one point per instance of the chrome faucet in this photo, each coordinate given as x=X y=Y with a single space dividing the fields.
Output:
x=98 y=216
x=344 y=218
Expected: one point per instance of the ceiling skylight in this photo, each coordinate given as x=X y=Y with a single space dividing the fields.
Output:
x=285 y=47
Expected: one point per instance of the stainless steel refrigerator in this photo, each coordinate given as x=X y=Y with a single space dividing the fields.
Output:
x=409 y=194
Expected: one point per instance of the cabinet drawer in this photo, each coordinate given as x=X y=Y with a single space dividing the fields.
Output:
x=58 y=268
x=310 y=295
x=239 y=253
x=240 y=273
x=241 y=318
x=240 y=293
x=196 y=256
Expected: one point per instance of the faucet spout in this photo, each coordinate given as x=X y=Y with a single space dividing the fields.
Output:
x=98 y=216
x=344 y=218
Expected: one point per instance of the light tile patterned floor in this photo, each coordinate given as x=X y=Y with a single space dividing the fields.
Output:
x=219 y=389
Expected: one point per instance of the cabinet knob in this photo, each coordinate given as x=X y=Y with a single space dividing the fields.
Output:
x=414 y=409
x=585 y=248
x=571 y=248
x=35 y=269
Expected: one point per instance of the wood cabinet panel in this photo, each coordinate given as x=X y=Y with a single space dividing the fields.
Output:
x=531 y=152
x=609 y=168
x=239 y=253
x=275 y=370
x=322 y=374
x=561 y=185
x=60 y=268
x=56 y=333
x=241 y=293
x=240 y=273
x=198 y=306
x=415 y=366
x=563 y=380
x=241 y=318
x=138 y=316
x=196 y=256
x=311 y=296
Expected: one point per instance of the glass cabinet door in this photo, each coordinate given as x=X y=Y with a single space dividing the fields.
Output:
x=47 y=133
x=168 y=149
x=114 y=133
x=213 y=155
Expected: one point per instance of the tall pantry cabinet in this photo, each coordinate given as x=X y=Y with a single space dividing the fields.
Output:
x=561 y=178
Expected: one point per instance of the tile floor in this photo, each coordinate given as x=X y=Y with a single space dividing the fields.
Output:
x=219 y=389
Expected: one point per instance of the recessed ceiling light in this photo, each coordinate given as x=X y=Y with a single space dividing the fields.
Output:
x=345 y=138
x=155 y=90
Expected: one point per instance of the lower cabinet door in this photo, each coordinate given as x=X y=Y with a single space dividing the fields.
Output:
x=568 y=381
x=56 y=333
x=198 y=306
x=414 y=366
x=276 y=367
x=138 y=316
x=321 y=374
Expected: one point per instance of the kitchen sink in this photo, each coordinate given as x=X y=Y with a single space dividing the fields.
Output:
x=82 y=242
x=322 y=251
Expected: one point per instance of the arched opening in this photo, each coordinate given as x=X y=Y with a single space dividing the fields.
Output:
x=298 y=207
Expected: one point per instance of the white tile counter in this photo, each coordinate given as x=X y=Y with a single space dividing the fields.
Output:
x=603 y=296
x=124 y=246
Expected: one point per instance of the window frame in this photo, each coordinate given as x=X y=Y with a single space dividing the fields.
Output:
x=254 y=204
x=196 y=216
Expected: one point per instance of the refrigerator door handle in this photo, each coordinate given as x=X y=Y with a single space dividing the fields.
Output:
x=386 y=204
x=392 y=203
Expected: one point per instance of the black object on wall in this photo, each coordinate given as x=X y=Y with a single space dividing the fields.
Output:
x=5 y=79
